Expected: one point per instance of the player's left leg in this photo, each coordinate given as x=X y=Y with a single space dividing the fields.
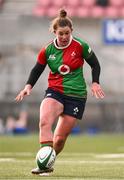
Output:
x=63 y=129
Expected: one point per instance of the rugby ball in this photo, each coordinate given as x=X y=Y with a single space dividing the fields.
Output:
x=45 y=157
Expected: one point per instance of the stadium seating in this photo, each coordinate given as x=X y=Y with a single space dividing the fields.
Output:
x=39 y=11
x=44 y=3
x=116 y=3
x=73 y=3
x=88 y=3
x=102 y=3
x=97 y=11
x=52 y=11
x=75 y=8
x=1 y=2
x=122 y=11
x=59 y=3
x=83 y=12
x=81 y=8
x=112 y=12
x=71 y=11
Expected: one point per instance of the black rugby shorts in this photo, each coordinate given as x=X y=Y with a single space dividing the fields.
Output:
x=73 y=106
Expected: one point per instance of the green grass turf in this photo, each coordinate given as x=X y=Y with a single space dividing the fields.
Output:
x=97 y=157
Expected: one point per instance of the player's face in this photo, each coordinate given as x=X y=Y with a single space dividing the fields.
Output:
x=63 y=35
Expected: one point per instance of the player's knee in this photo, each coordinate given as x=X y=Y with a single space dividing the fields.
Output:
x=43 y=122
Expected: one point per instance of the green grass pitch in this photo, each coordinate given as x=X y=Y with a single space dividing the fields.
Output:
x=86 y=157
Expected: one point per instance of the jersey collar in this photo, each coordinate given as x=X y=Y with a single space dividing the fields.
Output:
x=62 y=47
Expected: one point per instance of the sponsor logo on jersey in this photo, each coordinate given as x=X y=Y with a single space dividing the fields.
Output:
x=52 y=57
x=64 y=69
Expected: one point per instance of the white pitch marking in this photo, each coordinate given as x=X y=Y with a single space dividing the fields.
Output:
x=67 y=161
x=17 y=154
x=7 y=159
x=110 y=155
x=89 y=162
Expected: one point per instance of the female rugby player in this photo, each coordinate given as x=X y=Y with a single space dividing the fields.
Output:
x=66 y=95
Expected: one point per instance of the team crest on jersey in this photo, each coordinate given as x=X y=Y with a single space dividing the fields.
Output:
x=64 y=69
x=73 y=54
x=52 y=57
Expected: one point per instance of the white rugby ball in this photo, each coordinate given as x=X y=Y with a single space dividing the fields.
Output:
x=45 y=157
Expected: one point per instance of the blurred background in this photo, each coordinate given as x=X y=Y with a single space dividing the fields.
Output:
x=24 y=30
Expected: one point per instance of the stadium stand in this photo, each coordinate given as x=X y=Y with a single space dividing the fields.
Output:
x=17 y=7
x=122 y=11
x=112 y=12
x=97 y=12
x=116 y=3
x=83 y=12
x=102 y=3
x=74 y=3
x=59 y=3
x=88 y=3
x=81 y=8
x=1 y=4
x=76 y=8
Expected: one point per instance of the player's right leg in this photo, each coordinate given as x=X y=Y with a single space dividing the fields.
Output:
x=50 y=110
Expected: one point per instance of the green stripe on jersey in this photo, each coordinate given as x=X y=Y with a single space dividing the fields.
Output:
x=86 y=48
x=74 y=83
x=54 y=57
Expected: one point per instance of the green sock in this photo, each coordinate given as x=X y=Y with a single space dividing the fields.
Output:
x=43 y=144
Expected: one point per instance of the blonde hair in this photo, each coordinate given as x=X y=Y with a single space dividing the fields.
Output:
x=61 y=20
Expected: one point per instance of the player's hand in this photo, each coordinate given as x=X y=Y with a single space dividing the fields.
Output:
x=25 y=92
x=97 y=90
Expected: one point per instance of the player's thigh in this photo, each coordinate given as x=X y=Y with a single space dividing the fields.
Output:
x=50 y=108
x=65 y=125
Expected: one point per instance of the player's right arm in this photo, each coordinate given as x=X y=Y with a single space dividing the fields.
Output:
x=34 y=76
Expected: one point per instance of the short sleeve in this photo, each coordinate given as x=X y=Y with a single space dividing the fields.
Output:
x=41 y=58
x=86 y=50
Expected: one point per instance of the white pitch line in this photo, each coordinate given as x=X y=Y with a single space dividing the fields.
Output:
x=17 y=154
x=29 y=154
x=110 y=155
x=66 y=161
x=7 y=160
x=88 y=162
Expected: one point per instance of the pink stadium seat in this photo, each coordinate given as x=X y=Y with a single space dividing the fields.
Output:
x=59 y=3
x=44 y=3
x=112 y=12
x=73 y=3
x=97 y=11
x=88 y=2
x=122 y=12
x=1 y=1
x=39 y=11
x=116 y=2
x=52 y=11
x=71 y=11
x=83 y=12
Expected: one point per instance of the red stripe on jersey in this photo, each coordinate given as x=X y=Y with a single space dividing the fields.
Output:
x=55 y=82
x=42 y=57
x=72 y=56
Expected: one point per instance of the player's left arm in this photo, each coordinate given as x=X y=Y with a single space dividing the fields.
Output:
x=92 y=60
